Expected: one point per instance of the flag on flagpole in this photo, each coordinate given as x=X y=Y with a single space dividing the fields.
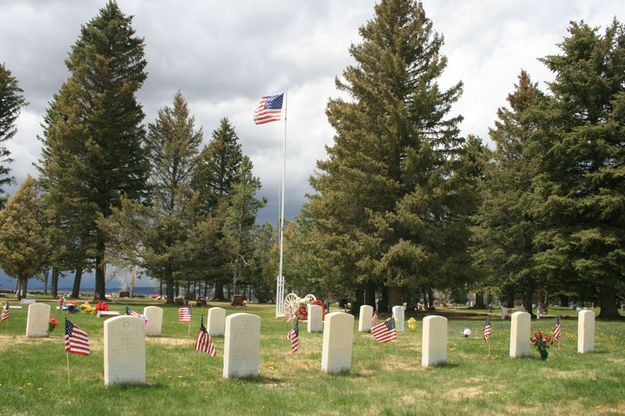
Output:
x=385 y=331
x=293 y=336
x=137 y=315
x=184 y=314
x=557 y=331
x=204 y=342
x=487 y=329
x=269 y=109
x=375 y=319
x=5 y=312
x=76 y=340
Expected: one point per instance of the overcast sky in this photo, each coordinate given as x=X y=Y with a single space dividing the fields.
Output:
x=224 y=56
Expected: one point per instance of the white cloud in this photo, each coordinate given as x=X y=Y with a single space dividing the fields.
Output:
x=224 y=56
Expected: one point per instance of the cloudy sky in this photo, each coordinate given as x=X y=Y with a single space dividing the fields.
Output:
x=224 y=56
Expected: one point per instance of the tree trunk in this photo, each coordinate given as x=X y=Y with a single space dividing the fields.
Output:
x=394 y=296
x=100 y=268
x=24 y=287
x=205 y=290
x=479 y=301
x=509 y=297
x=608 y=304
x=564 y=300
x=528 y=298
x=370 y=295
x=77 y=280
x=55 y=282
x=160 y=287
x=18 y=287
x=219 y=290
x=169 y=288
x=383 y=304
x=430 y=298
x=46 y=275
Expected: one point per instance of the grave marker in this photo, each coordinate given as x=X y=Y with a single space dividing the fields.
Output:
x=520 y=334
x=154 y=315
x=124 y=350
x=37 y=320
x=216 y=322
x=398 y=314
x=315 y=323
x=338 y=339
x=364 y=319
x=434 y=341
x=585 y=332
x=241 y=346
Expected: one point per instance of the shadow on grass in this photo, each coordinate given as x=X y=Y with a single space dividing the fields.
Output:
x=259 y=380
x=149 y=386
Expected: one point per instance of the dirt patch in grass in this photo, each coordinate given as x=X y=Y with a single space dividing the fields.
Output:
x=619 y=409
x=463 y=393
x=572 y=374
x=392 y=365
x=170 y=341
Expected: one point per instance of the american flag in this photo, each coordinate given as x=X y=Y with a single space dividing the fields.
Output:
x=61 y=301
x=557 y=331
x=293 y=336
x=487 y=329
x=5 y=312
x=76 y=340
x=289 y=315
x=385 y=331
x=184 y=314
x=375 y=319
x=137 y=315
x=269 y=109
x=204 y=342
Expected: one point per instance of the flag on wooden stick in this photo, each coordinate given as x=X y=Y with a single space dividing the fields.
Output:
x=204 y=342
x=293 y=336
x=375 y=319
x=184 y=314
x=557 y=330
x=76 y=340
x=385 y=331
x=5 y=312
x=487 y=329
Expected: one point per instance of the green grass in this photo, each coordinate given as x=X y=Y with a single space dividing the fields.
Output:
x=385 y=379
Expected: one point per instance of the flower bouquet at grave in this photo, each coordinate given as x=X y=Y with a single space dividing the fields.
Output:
x=542 y=343
x=53 y=323
x=87 y=308
x=323 y=309
x=101 y=306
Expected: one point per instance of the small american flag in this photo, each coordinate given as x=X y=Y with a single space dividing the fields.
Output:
x=557 y=331
x=269 y=109
x=61 y=301
x=293 y=336
x=76 y=340
x=137 y=315
x=5 y=312
x=487 y=329
x=385 y=331
x=204 y=342
x=184 y=314
x=289 y=315
x=375 y=319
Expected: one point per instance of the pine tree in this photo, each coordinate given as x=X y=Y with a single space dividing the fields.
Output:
x=505 y=225
x=23 y=240
x=384 y=199
x=93 y=140
x=583 y=190
x=11 y=103
x=214 y=180
x=161 y=229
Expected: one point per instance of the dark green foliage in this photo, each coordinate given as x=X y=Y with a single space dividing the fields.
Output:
x=11 y=103
x=582 y=157
x=389 y=204
x=93 y=151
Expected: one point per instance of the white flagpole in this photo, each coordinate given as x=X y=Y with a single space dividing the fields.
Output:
x=280 y=282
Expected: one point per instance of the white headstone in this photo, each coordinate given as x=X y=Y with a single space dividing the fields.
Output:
x=154 y=315
x=216 y=322
x=242 y=346
x=124 y=350
x=315 y=323
x=37 y=320
x=434 y=341
x=585 y=332
x=25 y=301
x=520 y=334
x=338 y=339
x=398 y=314
x=364 y=319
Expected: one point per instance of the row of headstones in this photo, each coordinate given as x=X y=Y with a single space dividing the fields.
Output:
x=124 y=343
x=39 y=316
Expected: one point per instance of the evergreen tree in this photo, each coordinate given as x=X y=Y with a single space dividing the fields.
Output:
x=239 y=225
x=214 y=180
x=505 y=225
x=385 y=202
x=93 y=140
x=23 y=242
x=161 y=229
x=11 y=102
x=583 y=190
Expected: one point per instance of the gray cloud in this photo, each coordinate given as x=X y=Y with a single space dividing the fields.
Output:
x=224 y=56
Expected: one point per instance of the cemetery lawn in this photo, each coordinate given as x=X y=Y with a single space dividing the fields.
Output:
x=385 y=379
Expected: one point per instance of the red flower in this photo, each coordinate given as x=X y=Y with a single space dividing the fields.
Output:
x=53 y=321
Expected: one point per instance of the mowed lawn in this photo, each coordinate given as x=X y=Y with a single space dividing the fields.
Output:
x=385 y=379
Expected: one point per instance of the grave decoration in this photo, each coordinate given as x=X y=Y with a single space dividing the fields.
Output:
x=53 y=323
x=542 y=342
x=294 y=306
